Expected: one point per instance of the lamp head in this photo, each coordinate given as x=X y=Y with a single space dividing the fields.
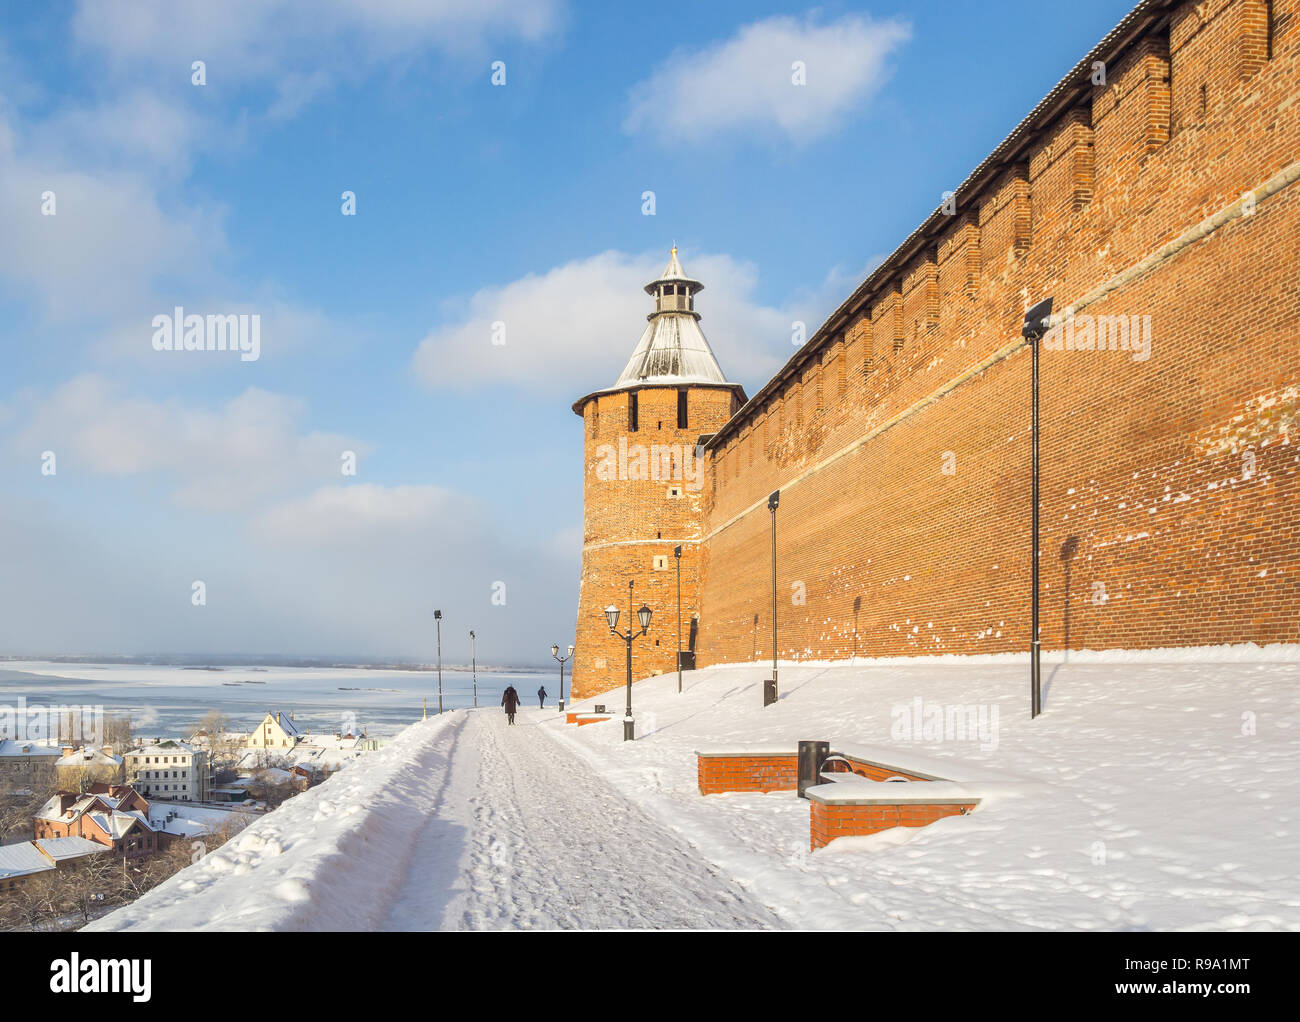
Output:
x=555 y=650
x=774 y=500
x=643 y=615
x=611 y=615
x=1037 y=320
x=437 y=615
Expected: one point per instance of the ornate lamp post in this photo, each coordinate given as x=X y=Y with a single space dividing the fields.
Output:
x=555 y=654
x=437 y=617
x=1037 y=323
x=643 y=616
x=473 y=660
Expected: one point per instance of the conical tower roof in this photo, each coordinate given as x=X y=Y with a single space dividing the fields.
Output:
x=672 y=348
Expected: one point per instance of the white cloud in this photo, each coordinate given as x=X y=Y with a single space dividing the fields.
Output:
x=214 y=458
x=292 y=44
x=745 y=83
x=109 y=239
x=365 y=565
x=340 y=514
x=570 y=330
x=350 y=569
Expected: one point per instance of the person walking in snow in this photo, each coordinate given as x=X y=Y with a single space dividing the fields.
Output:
x=510 y=700
x=541 y=697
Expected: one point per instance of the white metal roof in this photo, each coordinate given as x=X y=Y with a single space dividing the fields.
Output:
x=60 y=848
x=673 y=271
x=672 y=349
x=22 y=859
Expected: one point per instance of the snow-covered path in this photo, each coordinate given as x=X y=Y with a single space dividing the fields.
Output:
x=527 y=836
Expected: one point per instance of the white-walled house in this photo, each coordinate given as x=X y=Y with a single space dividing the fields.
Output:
x=170 y=770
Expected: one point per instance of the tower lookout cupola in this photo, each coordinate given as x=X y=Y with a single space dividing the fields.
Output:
x=674 y=291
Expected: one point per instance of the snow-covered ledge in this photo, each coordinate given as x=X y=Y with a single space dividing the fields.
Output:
x=856 y=806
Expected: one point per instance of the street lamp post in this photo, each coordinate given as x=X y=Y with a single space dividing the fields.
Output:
x=1037 y=322
x=769 y=689
x=473 y=661
x=677 y=554
x=437 y=617
x=643 y=616
x=555 y=654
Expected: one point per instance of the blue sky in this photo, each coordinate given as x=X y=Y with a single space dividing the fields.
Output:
x=475 y=203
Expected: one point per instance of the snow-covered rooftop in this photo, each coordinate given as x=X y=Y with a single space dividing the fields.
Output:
x=89 y=757
x=10 y=747
x=21 y=860
x=60 y=848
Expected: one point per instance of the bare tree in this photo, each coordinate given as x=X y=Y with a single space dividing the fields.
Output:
x=117 y=731
x=87 y=885
x=34 y=904
x=18 y=807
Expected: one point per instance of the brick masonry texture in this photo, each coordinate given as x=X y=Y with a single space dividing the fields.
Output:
x=899 y=433
x=827 y=822
x=719 y=774
x=777 y=772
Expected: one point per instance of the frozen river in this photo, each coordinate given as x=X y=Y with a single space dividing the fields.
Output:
x=169 y=701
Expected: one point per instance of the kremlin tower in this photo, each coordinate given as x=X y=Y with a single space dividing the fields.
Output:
x=643 y=488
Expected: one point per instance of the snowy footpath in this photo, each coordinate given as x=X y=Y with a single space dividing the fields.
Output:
x=1159 y=790
x=464 y=823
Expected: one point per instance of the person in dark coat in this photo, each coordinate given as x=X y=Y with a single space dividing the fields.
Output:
x=510 y=700
x=541 y=696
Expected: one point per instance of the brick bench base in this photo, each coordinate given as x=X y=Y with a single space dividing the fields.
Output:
x=580 y=718
x=720 y=773
x=828 y=821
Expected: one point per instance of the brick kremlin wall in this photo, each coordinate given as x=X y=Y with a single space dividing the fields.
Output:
x=899 y=437
x=899 y=433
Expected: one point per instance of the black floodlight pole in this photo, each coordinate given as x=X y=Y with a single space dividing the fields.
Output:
x=769 y=693
x=1037 y=323
x=437 y=617
x=677 y=553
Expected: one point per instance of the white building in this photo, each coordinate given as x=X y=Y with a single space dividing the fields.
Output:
x=170 y=770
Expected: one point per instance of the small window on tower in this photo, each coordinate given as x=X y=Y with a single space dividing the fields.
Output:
x=681 y=409
x=661 y=562
x=632 y=412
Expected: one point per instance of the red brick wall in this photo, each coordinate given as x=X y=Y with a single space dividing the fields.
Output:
x=744 y=772
x=628 y=522
x=827 y=822
x=1156 y=531
x=870 y=771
